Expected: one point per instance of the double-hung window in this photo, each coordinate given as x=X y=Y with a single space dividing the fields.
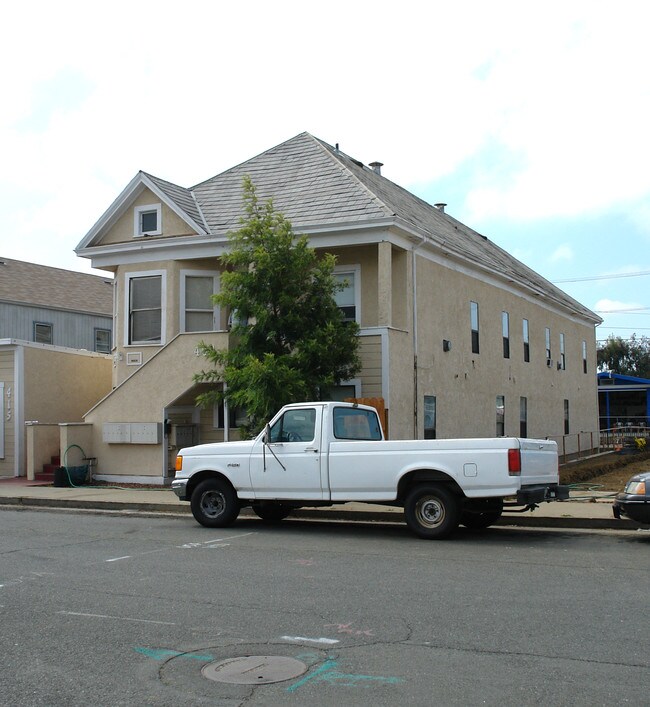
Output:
x=505 y=331
x=198 y=312
x=102 y=340
x=473 y=315
x=348 y=299
x=145 y=322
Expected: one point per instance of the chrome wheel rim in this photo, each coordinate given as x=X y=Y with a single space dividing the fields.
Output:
x=430 y=512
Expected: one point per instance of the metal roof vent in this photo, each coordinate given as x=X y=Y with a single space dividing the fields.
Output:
x=376 y=166
x=440 y=206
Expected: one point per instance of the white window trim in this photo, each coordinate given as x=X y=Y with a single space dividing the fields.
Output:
x=216 y=311
x=163 y=305
x=137 y=211
x=356 y=270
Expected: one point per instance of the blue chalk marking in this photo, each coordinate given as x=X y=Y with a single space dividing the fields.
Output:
x=162 y=653
x=327 y=673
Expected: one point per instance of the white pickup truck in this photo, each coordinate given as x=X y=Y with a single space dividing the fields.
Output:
x=323 y=453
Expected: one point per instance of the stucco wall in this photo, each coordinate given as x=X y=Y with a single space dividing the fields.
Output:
x=466 y=384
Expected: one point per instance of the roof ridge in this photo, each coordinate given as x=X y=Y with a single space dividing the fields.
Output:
x=333 y=152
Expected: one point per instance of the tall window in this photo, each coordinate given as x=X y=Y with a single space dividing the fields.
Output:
x=505 y=331
x=562 y=356
x=43 y=333
x=523 y=417
x=584 y=356
x=473 y=314
x=526 y=341
x=429 y=417
x=197 y=310
x=348 y=298
x=501 y=415
x=566 y=417
x=145 y=321
x=547 y=338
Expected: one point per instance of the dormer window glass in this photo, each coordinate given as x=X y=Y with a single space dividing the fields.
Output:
x=147 y=220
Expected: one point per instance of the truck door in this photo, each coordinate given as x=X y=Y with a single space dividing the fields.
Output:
x=290 y=465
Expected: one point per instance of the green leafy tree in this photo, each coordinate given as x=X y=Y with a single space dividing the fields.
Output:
x=289 y=341
x=629 y=357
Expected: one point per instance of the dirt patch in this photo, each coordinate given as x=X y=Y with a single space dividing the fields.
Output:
x=608 y=472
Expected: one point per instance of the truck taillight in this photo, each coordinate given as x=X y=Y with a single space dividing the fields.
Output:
x=179 y=463
x=514 y=462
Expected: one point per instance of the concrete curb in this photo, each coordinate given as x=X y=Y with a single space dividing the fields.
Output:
x=333 y=513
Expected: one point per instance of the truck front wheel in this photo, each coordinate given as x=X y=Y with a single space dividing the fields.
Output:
x=214 y=503
x=431 y=511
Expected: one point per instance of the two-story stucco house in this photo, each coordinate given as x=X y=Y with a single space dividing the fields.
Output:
x=55 y=344
x=458 y=337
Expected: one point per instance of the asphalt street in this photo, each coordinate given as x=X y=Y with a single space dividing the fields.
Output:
x=108 y=610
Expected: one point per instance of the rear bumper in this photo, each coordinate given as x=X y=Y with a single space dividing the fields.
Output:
x=541 y=493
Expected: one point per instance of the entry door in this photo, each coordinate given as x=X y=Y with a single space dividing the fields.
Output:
x=290 y=465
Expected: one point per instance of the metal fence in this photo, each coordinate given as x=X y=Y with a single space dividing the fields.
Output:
x=584 y=444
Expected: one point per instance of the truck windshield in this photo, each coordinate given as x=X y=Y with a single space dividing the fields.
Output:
x=353 y=423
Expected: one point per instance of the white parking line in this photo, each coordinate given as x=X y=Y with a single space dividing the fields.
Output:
x=116 y=559
x=302 y=639
x=115 y=618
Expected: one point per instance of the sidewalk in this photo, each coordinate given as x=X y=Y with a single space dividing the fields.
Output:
x=587 y=511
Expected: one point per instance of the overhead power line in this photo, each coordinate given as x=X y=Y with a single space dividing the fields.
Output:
x=603 y=277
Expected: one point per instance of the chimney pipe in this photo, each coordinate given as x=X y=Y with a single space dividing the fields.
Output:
x=376 y=166
x=440 y=206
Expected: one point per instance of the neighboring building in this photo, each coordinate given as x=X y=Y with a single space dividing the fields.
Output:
x=458 y=337
x=54 y=306
x=624 y=401
x=55 y=334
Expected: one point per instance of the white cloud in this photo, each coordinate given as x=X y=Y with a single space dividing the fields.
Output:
x=614 y=306
x=561 y=253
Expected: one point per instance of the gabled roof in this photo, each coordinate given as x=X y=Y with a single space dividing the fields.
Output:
x=42 y=286
x=316 y=186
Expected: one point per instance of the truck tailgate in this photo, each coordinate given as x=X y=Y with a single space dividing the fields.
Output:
x=539 y=462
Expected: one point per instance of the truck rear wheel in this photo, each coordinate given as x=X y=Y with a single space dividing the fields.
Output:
x=432 y=512
x=214 y=503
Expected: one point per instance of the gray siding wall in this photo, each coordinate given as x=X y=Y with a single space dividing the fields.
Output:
x=72 y=329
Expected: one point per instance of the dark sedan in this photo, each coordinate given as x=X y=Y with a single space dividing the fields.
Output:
x=634 y=501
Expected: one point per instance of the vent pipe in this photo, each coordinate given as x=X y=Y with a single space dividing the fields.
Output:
x=376 y=167
x=440 y=206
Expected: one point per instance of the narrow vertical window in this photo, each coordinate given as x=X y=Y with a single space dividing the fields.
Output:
x=584 y=356
x=526 y=340
x=505 y=332
x=562 y=356
x=501 y=415
x=429 y=417
x=523 y=417
x=547 y=339
x=473 y=309
x=566 y=417
x=103 y=340
x=145 y=310
x=198 y=311
x=348 y=298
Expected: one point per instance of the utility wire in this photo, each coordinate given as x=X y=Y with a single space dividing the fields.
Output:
x=603 y=277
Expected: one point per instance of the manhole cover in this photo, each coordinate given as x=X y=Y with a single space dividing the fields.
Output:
x=254 y=669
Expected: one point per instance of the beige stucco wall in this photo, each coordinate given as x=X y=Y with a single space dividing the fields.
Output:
x=466 y=384
x=60 y=386
x=123 y=229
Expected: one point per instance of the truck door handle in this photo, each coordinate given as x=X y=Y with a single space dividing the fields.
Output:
x=311 y=449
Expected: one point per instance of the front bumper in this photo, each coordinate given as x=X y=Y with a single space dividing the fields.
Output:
x=179 y=487
x=633 y=507
x=539 y=494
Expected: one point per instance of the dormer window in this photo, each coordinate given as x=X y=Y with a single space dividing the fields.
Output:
x=147 y=220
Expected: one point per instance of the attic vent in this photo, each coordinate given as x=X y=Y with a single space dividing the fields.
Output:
x=440 y=206
x=376 y=166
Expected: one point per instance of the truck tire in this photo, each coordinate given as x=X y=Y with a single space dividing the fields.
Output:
x=214 y=503
x=432 y=511
x=271 y=512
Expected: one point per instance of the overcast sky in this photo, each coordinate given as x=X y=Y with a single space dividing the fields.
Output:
x=530 y=120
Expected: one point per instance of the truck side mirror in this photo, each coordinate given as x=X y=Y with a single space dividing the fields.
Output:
x=267 y=434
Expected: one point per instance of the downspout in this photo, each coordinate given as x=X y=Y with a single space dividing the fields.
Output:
x=415 y=335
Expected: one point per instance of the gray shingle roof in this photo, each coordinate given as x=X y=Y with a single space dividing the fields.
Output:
x=41 y=285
